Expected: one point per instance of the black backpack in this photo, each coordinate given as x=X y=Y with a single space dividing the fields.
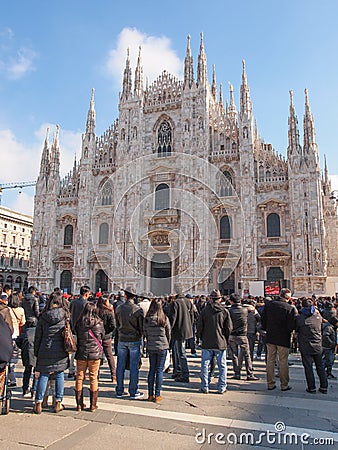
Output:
x=327 y=334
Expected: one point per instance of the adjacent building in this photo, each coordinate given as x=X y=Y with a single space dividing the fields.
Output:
x=15 y=243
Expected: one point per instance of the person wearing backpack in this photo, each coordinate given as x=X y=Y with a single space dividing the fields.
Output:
x=329 y=341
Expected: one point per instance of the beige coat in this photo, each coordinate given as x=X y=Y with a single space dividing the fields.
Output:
x=18 y=319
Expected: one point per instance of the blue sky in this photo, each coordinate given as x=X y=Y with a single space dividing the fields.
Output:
x=53 y=53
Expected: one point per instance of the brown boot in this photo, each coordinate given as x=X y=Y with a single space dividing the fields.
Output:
x=37 y=408
x=45 y=401
x=93 y=400
x=58 y=406
x=80 y=406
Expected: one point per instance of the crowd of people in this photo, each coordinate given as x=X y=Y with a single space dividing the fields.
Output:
x=130 y=327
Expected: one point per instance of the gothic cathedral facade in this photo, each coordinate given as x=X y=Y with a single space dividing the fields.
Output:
x=181 y=192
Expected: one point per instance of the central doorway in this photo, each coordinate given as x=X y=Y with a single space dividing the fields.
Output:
x=226 y=283
x=160 y=274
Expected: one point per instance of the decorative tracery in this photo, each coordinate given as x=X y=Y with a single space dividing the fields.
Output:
x=164 y=139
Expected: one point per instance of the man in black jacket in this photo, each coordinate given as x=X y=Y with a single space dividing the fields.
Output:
x=181 y=316
x=238 y=340
x=278 y=320
x=77 y=306
x=129 y=323
x=214 y=327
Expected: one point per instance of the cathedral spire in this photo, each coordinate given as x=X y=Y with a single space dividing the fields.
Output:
x=202 y=65
x=245 y=103
x=74 y=173
x=126 y=89
x=309 y=128
x=214 y=85
x=294 y=148
x=91 y=117
x=55 y=153
x=232 y=107
x=45 y=158
x=326 y=172
x=188 y=67
x=221 y=102
x=138 y=88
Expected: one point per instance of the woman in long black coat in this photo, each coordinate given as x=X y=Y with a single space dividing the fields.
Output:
x=49 y=350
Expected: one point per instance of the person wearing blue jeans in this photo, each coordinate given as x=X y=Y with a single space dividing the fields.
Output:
x=125 y=350
x=221 y=357
x=157 y=332
x=214 y=326
x=129 y=324
x=51 y=356
x=155 y=376
x=42 y=385
x=180 y=361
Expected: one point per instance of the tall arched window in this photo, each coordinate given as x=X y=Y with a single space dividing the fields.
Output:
x=106 y=194
x=162 y=197
x=66 y=281
x=261 y=173
x=68 y=235
x=164 y=139
x=226 y=184
x=273 y=225
x=103 y=233
x=225 y=228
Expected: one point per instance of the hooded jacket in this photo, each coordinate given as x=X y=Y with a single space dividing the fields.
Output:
x=309 y=329
x=214 y=326
x=49 y=343
x=158 y=337
x=30 y=304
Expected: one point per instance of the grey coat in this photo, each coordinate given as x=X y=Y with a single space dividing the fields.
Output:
x=158 y=337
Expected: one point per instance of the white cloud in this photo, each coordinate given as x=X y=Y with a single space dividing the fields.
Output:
x=16 y=67
x=16 y=60
x=23 y=203
x=334 y=182
x=156 y=53
x=22 y=163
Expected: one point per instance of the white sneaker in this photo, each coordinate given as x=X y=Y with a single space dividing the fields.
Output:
x=137 y=396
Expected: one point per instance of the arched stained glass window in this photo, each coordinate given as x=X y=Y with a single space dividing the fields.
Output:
x=164 y=139
x=226 y=184
x=106 y=194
